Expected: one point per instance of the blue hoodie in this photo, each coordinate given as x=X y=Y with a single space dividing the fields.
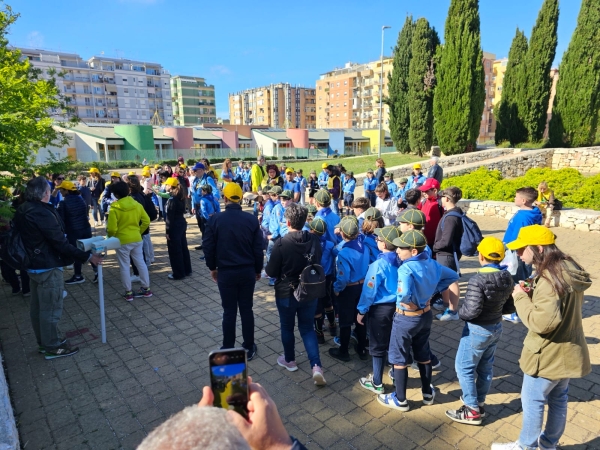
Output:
x=381 y=282
x=209 y=206
x=523 y=218
x=419 y=278
x=277 y=223
x=327 y=260
x=352 y=263
x=331 y=219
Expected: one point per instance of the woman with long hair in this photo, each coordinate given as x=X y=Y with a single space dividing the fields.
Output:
x=175 y=223
x=209 y=170
x=227 y=173
x=554 y=351
x=273 y=176
x=380 y=172
x=386 y=204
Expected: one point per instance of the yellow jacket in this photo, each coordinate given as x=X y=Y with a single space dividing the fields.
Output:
x=127 y=221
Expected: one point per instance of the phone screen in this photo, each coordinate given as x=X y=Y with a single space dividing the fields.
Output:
x=229 y=380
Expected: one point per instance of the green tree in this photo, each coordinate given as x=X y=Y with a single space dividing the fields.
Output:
x=540 y=55
x=575 y=114
x=397 y=100
x=509 y=125
x=460 y=93
x=421 y=84
x=29 y=105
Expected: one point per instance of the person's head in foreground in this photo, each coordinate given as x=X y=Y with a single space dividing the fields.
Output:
x=233 y=193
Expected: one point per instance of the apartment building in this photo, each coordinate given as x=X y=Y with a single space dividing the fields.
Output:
x=279 y=105
x=193 y=101
x=109 y=90
x=348 y=97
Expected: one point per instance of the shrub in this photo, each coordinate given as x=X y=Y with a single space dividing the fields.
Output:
x=572 y=188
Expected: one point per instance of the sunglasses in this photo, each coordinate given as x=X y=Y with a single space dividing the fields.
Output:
x=60 y=178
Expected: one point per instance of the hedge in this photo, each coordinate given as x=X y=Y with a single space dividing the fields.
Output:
x=571 y=187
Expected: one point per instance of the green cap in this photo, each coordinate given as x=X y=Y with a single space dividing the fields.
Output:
x=412 y=216
x=372 y=214
x=312 y=209
x=351 y=173
x=286 y=194
x=388 y=234
x=411 y=239
x=266 y=189
x=276 y=190
x=323 y=196
x=318 y=225
x=349 y=227
x=403 y=180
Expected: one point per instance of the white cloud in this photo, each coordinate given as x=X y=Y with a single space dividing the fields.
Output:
x=220 y=70
x=35 y=39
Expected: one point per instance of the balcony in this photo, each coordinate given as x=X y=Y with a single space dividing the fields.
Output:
x=74 y=64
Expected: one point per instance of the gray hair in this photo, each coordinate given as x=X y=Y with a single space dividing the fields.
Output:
x=296 y=214
x=36 y=189
x=435 y=159
x=195 y=428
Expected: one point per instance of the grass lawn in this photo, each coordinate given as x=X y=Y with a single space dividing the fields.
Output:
x=357 y=164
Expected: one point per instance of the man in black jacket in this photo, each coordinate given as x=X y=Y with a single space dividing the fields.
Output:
x=435 y=171
x=43 y=235
x=288 y=260
x=233 y=248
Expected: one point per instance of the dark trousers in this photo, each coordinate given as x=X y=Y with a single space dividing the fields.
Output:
x=76 y=264
x=236 y=287
x=179 y=254
x=379 y=323
x=11 y=277
x=347 y=302
x=46 y=307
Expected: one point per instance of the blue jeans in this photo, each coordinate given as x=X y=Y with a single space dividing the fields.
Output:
x=535 y=393
x=475 y=357
x=96 y=208
x=288 y=309
x=335 y=206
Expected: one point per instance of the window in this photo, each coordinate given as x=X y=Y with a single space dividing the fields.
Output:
x=345 y=103
x=332 y=96
x=345 y=114
x=126 y=91
x=338 y=83
x=134 y=79
x=345 y=82
x=125 y=80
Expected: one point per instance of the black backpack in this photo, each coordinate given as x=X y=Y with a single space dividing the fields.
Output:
x=311 y=282
x=13 y=251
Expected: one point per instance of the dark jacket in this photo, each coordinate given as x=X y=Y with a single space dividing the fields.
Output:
x=86 y=194
x=287 y=260
x=233 y=239
x=43 y=234
x=141 y=199
x=488 y=296
x=436 y=172
x=379 y=173
x=448 y=237
x=74 y=213
x=174 y=220
x=98 y=185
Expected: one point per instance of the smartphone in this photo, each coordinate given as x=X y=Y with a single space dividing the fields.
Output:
x=229 y=379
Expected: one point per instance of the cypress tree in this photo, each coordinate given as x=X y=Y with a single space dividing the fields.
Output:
x=577 y=103
x=421 y=83
x=397 y=100
x=509 y=125
x=540 y=55
x=460 y=93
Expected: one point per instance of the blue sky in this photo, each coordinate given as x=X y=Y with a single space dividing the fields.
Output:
x=240 y=44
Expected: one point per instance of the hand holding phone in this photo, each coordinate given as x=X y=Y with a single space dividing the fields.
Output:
x=229 y=380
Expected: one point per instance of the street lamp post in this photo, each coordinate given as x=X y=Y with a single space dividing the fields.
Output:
x=383 y=28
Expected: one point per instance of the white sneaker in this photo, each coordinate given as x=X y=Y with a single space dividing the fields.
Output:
x=509 y=446
x=428 y=399
x=514 y=318
x=135 y=279
x=263 y=274
x=95 y=224
x=317 y=376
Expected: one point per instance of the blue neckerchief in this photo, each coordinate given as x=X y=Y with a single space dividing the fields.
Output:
x=495 y=266
x=356 y=244
x=390 y=257
x=324 y=212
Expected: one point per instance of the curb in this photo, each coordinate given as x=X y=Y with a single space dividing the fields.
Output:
x=9 y=437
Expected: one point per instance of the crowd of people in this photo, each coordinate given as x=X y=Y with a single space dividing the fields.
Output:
x=389 y=259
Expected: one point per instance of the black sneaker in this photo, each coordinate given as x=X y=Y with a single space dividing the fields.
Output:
x=252 y=352
x=95 y=280
x=60 y=352
x=465 y=415
x=16 y=291
x=332 y=330
x=320 y=337
x=361 y=354
x=75 y=279
x=337 y=354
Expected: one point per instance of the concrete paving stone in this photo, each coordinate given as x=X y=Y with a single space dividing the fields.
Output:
x=125 y=425
x=305 y=421
x=37 y=438
x=131 y=441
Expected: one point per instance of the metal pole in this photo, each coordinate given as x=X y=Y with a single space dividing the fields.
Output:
x=101 y=302
x=383 y=28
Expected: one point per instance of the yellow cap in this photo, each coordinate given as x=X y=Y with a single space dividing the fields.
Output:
x=233 y=192
x=94 y=170
x=115 y=174
x=172 y=182
x=324 y=166
x=157 y=166
x=182 y=166
x=532 y=235
x=68 y=185
x=491 y=248
x=145 y=173
x=146 y=168
x=289 y=170
x=417 y=166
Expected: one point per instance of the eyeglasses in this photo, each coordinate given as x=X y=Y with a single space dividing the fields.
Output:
x=60 y=178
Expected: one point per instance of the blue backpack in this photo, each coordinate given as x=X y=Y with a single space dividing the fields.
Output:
x=471 y=234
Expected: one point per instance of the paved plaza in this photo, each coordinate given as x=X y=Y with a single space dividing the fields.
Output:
x=109 y=396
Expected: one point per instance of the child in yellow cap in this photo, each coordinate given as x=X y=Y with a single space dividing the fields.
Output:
x=488 y=296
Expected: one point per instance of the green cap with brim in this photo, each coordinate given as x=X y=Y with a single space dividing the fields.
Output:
x=276 y=190
x=413 y=216
x=403 y=180
x=318 y=225
x=286 y=194
x=411 y=239
x=388 y=234
x=323 y=196
x=372 y=214
x=349 y=227
x=312 y=209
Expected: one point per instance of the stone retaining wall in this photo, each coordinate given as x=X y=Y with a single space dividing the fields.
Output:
x=586 y=160
x=575 y=219
x=510 y=167
x=9 y=437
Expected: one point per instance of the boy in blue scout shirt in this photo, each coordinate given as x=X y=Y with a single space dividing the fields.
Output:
x=388 y=178
x=209 y=205
x=359 y=207
x=378 y=300
x=325 y=306
x=270 y=200
x=370 y=183
x=419 y=277
x=277 y=223
x=372 y=220
x=303 y=183
x=323 y=177
x=290 y=184
x=402 y=188
x=352 y=264
x=323 y=200
x=349 y=185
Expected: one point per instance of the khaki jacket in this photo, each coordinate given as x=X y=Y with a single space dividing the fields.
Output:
x=555 y=346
